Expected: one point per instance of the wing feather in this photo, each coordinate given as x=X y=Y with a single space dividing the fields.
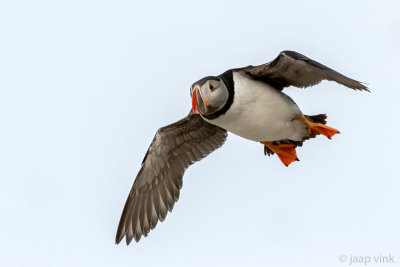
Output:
x=294 y=69
x=156 y=187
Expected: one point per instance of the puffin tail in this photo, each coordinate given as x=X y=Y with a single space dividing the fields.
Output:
x=320 y=118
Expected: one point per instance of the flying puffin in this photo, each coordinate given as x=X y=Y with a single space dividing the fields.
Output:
x=248 y=102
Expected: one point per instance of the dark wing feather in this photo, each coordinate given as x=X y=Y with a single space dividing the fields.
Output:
x=294 y=69
x=156 y=188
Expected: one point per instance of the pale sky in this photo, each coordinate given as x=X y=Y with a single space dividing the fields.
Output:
x=84 y=85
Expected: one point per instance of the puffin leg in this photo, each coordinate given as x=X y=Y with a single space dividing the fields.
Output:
x=286 y=152
x=318 y=128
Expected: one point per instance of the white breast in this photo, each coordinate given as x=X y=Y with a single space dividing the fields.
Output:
x=259 y=112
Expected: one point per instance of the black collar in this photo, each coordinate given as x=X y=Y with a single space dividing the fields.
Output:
x=227 y=78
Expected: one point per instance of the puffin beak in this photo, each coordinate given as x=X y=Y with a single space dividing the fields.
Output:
x=194 y=102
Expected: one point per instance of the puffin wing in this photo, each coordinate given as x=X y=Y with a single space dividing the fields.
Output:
x=156 y=188
x=294 y=69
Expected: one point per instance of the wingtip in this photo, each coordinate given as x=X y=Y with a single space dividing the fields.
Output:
x=137 y=238
x=367 y=89
x=128 y=238
x=363 y=87
x=118 y=238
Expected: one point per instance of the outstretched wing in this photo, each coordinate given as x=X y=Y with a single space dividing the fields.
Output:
x=294 y=69
x=156 y=188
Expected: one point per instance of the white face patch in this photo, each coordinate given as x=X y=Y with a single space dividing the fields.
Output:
x=214 y=95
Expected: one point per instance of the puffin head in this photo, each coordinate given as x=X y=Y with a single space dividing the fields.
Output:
x=208 y=95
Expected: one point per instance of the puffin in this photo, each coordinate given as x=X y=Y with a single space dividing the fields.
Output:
x=248 y=102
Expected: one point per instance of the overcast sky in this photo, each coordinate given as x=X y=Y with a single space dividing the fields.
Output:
x=84 y=85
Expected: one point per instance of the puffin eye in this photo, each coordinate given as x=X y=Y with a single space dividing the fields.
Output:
x=211 y=87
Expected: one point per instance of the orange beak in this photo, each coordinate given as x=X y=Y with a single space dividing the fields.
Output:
x=194 y=103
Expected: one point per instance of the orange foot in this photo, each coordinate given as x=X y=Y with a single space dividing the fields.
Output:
x=286 y=152
x=319 y=128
